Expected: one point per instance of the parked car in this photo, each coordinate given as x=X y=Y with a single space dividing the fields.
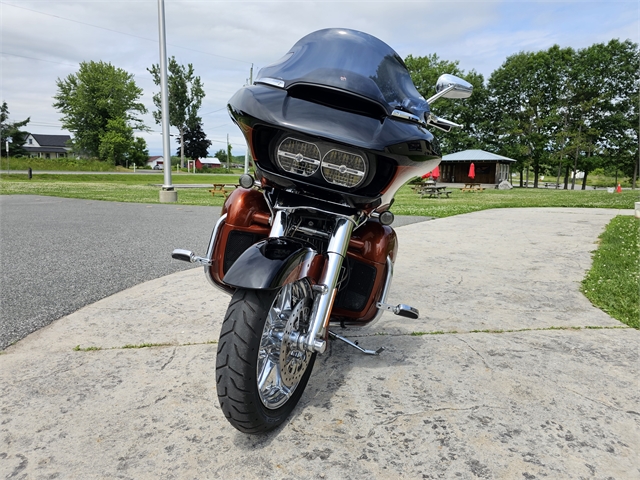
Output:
x=157 y=166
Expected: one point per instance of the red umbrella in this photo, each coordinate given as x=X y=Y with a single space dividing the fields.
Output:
x=472 y=171
x=436 y=172
x=426 y=175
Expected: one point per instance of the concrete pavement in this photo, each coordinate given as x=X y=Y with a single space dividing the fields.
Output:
x=558 y=398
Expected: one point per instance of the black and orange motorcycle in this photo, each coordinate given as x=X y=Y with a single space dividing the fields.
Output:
x=335 y=128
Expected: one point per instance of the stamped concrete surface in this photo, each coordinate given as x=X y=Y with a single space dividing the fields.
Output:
x=536 y=403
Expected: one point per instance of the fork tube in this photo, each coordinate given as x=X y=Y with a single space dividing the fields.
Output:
x=336 y=251
x=279 y=225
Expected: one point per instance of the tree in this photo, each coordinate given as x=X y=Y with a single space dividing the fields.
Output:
x=221 y=155
x=471 y=112
x=118 y=146
x=601 y=108
x=12 y=131
x=185 y=97
x=196 y=144
x=92 y=98
x=524 y=95
x=139 y=154
x=614 y=82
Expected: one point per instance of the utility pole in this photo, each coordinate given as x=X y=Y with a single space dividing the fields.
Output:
x=228 y=154
x=246 y=155
x=167 y=193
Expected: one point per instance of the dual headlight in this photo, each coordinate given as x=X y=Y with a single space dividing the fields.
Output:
x=338 y=167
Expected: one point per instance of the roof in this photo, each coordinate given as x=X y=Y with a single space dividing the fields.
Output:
x=154 y=158
x=51 y=140
x=46 y=149
x=475 y=156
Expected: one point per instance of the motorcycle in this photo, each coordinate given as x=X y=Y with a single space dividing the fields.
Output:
x=335 y=128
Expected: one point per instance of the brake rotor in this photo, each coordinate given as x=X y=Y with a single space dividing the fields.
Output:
x=293 y=361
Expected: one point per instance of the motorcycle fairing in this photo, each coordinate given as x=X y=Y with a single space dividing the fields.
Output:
x=266 y=114
x=271 y=263
x=345 y=78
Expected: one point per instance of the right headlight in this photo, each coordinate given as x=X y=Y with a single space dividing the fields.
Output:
x=344 y=168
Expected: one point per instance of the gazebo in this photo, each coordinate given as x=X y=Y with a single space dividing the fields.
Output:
x=489 y=167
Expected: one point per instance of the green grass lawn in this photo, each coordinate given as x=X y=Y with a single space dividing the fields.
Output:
x=409 y=203
x=143 y=188
x=613 y=283
x=137 y=188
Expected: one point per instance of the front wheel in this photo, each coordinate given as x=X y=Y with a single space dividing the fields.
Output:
x=260 y=373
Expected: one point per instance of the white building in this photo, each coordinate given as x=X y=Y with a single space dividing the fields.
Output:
x=47 y=146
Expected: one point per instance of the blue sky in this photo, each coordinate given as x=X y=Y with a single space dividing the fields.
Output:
x=45 y=40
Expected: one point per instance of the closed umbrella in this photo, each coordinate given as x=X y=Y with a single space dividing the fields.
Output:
x=436 y=172
x=472 y=171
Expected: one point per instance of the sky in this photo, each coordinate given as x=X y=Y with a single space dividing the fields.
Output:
x=42 y=41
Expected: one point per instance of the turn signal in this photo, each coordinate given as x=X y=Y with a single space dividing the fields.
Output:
x=246 y=181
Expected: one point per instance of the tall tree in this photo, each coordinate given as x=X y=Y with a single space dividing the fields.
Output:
x=97 y=96
x=196 y=144
x=185 y=98
x=524 y=93
x=601 y=111
x=471 y=112
x=12 y=130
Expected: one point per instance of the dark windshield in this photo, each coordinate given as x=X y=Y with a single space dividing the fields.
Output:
x=351 y=61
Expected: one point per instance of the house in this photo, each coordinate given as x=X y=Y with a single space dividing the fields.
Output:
x=156 y=162
x=209 y=162
x=47 y=146
x=489 y=167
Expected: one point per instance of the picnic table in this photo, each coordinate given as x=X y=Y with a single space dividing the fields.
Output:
x=472 y=187
x=432 y=191
x=223 y=189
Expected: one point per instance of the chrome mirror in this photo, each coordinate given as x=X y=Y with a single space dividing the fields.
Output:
x=450 y=86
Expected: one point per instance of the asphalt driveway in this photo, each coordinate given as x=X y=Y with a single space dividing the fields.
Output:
x=58 y=254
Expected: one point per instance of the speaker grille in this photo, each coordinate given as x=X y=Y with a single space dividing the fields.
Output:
x=355 y=294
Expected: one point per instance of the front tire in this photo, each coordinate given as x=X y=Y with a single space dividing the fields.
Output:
x=260 y=374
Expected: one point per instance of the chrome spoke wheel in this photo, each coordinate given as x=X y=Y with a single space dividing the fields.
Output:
x=281 y=364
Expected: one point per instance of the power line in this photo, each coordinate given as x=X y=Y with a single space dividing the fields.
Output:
x=122 y=33
x=214 y=111
x=43 y=124
x=39 y=59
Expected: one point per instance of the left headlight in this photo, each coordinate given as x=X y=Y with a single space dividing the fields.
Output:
x=343 y=168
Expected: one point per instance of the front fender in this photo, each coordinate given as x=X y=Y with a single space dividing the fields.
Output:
x=271 y=263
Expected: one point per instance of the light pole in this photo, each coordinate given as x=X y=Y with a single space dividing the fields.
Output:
x=167 y=193
x=7 y=147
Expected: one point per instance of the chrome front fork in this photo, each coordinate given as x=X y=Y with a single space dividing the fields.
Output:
x=325 y=290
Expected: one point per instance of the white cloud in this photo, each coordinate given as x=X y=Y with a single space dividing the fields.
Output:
x=222 y=38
